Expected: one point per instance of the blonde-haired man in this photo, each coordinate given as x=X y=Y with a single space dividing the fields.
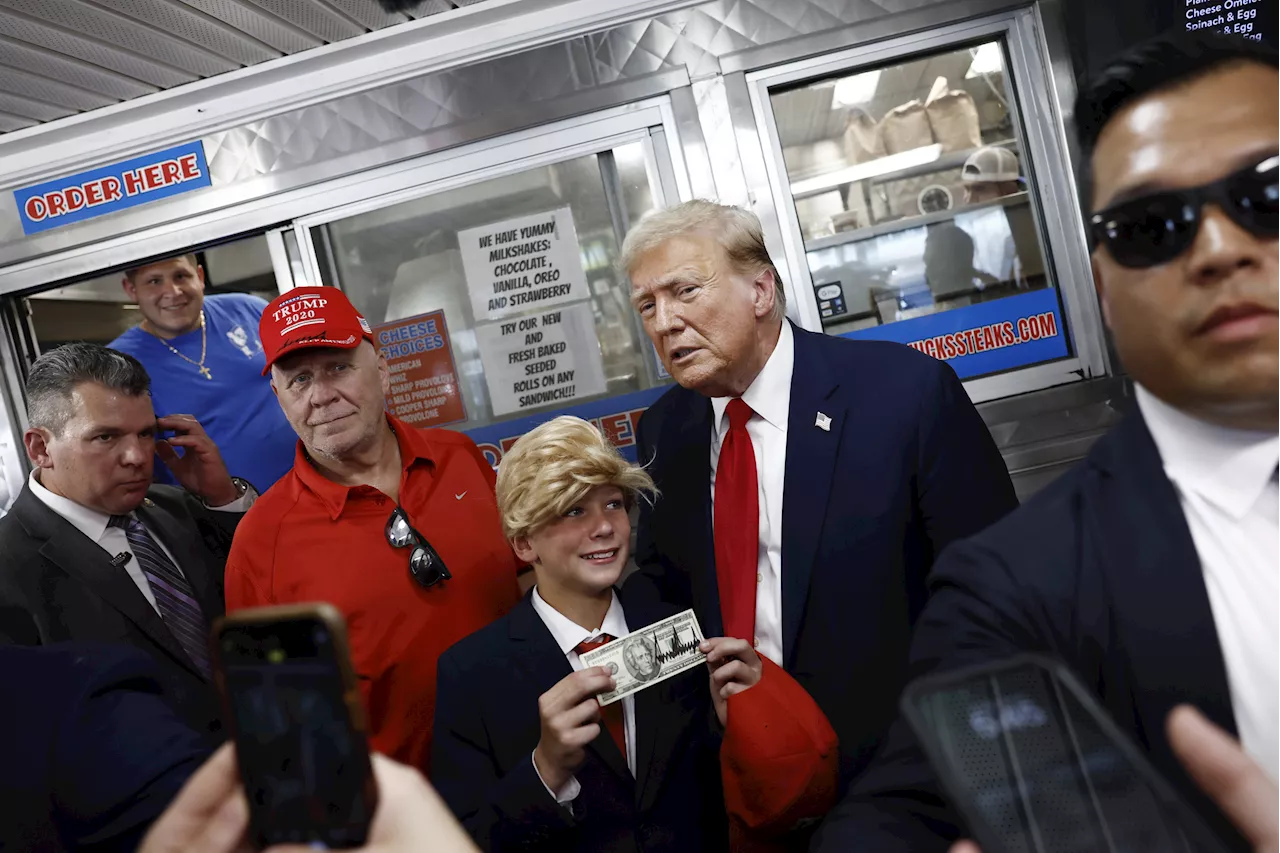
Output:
x=524 y=754
x=809 y=481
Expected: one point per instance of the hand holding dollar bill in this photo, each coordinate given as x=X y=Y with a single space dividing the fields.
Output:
x=648 y=656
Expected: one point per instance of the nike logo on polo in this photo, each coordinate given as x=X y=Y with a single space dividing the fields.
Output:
x=459 y=497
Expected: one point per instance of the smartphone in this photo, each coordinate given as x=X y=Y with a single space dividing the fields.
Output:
x=291 y=702
x=1035 y=765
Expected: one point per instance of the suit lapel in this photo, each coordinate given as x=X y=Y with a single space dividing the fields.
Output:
x=186 y=548
x=71 y=551
x=661 y=721
x=811 y=462
x=1162 y=610
x=543 y=664
x=691 y=499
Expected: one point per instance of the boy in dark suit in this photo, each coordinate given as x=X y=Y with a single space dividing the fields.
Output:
x=524 y=754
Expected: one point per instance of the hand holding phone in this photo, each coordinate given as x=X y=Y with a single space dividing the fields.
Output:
x=1233 y=780
x=294 y=710
x=411 y=817
x=1034 y=764
x=210 y=815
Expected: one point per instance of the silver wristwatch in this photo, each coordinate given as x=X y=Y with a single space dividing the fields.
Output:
x=242 y=488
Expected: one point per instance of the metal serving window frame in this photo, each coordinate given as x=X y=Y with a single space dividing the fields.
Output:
x=651 y=122
x=1033 y=110
x=669 y=144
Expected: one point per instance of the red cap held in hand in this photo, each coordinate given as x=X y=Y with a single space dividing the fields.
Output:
x=310 y=317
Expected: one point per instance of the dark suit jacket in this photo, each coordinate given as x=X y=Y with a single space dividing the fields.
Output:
x=91 y=754
x=1098 y=570
x=906 y=468
x=56 y=586
x=487 y=726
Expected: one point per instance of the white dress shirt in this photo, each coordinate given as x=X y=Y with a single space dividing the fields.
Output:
x=114 y=540
x=1226 y=483
x=568 y=634
x=769 y=396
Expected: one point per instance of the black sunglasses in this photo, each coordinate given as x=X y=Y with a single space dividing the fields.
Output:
x=1155 y=229
x=424 y=563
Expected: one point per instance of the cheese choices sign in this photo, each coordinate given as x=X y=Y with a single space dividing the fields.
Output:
x=109 y=189
x=524 y=264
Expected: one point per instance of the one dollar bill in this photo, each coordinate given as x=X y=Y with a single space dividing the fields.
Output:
x=650 y=655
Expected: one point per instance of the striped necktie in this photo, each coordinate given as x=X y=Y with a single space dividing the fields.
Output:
x=173 y=593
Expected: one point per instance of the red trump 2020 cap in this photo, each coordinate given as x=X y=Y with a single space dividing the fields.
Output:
x=310 y=317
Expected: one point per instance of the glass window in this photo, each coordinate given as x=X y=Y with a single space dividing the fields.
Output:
x=915 y=203
x=98 y=310
x=480 y=253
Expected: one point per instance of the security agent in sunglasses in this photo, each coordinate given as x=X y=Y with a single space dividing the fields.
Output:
x=396 y=526
x=1151 y=568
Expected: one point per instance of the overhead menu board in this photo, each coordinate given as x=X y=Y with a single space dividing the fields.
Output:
x=523 y=264
x=541 y=359
x=1253 y=19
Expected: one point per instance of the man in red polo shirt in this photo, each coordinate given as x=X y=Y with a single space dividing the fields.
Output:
x=396 y=526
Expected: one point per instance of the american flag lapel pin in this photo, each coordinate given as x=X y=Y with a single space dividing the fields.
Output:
x=823 y=422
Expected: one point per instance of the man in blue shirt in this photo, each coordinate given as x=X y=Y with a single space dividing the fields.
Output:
x=205 y=359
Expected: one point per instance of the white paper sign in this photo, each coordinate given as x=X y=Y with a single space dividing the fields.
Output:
x=540 y=359
x=522 y=264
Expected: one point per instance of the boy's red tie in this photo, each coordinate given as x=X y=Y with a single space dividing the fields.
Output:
x=611 y=713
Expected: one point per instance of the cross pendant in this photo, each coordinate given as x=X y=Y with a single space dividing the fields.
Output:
x=204 y=371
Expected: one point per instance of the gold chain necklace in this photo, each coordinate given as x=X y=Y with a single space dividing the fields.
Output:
x=204 y=371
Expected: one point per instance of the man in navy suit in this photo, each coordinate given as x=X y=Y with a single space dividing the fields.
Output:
x=1151 y=569
x=808 y=482
x=91 y=752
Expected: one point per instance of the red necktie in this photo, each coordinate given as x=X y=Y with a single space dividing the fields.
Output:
x=737 y=525
x=611 y=713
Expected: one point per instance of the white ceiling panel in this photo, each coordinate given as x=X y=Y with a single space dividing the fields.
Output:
x=8 y=122
x=28 y=85
x=317 y=17
x=23 y=29
x=31 y=108
x=60 y=57
x=61 y=69
x=190 y=26
x=368 y=14
x=94 y=21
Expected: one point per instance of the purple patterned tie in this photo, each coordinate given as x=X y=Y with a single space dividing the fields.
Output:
x=173 y=593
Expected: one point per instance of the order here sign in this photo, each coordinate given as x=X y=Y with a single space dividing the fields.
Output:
x=108 y=189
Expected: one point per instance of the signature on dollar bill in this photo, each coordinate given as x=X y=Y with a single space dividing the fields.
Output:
x=648 y=656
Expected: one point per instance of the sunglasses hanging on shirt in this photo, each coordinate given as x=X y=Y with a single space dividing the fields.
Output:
x=1156 y=228
x=424 y=563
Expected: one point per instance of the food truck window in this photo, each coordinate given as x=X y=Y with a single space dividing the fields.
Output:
x=917 y=208
x=499 y=299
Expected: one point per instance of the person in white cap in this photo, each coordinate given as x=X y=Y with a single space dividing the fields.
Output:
x=990 y=173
